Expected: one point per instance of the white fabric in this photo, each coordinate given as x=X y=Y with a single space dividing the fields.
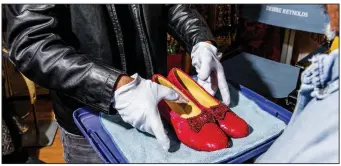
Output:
x=137 y=101
x=210 y=71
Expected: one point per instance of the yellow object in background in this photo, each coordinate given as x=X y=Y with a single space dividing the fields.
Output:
x=335 y=44
x=31 y=89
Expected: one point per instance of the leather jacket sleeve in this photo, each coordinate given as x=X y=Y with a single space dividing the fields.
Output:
x=39 y=52
x=187 y=26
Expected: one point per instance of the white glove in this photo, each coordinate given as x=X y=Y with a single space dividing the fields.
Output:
x=210 y=71
x=137 y=102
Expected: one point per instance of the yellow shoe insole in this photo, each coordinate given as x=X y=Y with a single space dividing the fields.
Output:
x=185 y=110
x=199 y=94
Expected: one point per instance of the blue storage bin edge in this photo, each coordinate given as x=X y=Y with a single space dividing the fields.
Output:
x=94 y=141
x=272 y=108
x=117 y=157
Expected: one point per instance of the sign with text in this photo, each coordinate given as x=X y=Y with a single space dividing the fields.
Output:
x=310 y=18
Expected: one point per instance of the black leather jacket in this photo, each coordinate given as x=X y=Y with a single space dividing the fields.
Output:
x=77 y=52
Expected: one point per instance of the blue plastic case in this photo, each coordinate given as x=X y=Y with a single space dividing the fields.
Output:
x=88 y=122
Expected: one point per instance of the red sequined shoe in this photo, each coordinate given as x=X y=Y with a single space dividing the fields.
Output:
x=194 y=127
x=229 y=122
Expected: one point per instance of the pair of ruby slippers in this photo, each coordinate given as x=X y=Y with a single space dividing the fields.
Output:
x=202 y=122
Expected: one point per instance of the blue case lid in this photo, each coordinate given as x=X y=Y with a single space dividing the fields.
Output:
x=310 y=18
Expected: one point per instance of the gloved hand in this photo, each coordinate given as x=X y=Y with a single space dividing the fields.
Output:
x=137 y=102
x=210 y=71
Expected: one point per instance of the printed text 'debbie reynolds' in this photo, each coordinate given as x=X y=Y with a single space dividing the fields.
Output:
x=286 y=11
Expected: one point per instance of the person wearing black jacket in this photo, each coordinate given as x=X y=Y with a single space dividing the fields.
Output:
x=102 y=56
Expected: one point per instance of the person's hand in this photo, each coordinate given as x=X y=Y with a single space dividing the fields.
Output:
x=137 y=102
x=210 y=71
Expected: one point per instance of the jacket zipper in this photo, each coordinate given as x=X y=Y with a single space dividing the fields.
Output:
x=144 y=42
x=118 y=34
